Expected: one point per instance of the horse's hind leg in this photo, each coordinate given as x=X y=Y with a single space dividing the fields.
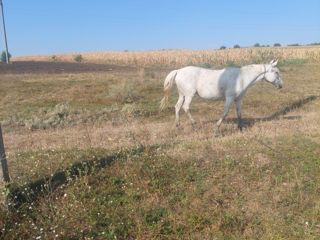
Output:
x=178 y=107
x=186 y=108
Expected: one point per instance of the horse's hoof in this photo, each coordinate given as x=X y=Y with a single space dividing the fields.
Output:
x=216 y=133
x=179 y=127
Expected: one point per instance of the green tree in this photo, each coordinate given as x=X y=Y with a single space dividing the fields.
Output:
x=4 y=56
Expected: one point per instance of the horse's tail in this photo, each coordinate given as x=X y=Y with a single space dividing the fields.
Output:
x=166 y=88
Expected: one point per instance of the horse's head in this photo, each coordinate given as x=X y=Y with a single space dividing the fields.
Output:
x=272 y=74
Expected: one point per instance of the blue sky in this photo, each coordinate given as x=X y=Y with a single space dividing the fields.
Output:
x=61 y=26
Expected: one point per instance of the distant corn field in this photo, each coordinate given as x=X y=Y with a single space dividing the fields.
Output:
x=175 y=58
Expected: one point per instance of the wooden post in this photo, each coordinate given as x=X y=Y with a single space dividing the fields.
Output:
x=4 y=173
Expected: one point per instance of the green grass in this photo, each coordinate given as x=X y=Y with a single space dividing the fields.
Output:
x=254 y=188
x=296 y=61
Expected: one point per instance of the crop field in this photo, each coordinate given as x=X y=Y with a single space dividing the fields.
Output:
x=91 y=157
x=177 y=58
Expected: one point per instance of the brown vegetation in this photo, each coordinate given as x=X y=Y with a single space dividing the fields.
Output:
x=174 y=58
x=161 y=182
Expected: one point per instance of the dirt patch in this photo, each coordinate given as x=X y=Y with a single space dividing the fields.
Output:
x=24 y=67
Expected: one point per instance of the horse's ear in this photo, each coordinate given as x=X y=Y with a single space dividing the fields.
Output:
x=271 y=62
x=274 y=63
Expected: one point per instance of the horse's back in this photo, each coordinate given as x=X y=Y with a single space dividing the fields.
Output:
x=204 y=81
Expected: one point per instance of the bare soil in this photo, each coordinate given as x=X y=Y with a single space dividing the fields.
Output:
x=34 y=67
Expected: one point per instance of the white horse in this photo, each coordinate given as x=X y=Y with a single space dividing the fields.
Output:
x=230 y=84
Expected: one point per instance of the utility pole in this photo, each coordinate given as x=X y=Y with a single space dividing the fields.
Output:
x=4 y=32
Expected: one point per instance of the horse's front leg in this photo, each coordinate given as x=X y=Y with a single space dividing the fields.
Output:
x=238 y=107
x=226 y=110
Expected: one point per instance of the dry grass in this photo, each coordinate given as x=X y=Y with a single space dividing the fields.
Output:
x=122 y=109
x=261 y=183
x=174 y=58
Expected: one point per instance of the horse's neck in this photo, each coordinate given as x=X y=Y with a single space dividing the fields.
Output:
x=254 y=74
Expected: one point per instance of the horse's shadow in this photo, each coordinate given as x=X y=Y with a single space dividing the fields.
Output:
x=249 y=122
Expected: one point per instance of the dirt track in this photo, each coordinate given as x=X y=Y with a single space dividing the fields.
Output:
x=23 y=67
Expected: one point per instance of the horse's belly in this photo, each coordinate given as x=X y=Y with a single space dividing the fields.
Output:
x=210 y=95
x=209 y=88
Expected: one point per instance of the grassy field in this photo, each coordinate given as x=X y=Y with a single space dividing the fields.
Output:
x=91 y=157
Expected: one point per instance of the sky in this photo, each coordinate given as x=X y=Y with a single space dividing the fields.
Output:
x=67 y=26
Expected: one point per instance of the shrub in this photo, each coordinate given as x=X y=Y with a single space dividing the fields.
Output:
x=78 y=58
x=54 y=58
x=277 y=45
x=4 y=56
x=222 y=47
x=236 y=46
x=257 y=45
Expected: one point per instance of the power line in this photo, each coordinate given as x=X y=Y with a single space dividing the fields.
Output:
x=4 y=32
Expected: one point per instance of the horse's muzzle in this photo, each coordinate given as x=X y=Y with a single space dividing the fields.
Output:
x=279 y=84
